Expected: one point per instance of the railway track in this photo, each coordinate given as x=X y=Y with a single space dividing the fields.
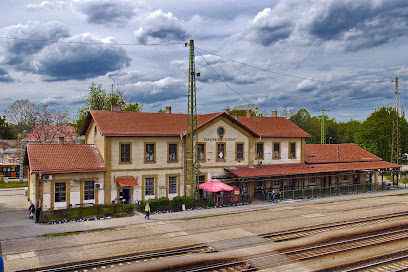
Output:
x=306 y=231
x=321 y=250
x=123 y=260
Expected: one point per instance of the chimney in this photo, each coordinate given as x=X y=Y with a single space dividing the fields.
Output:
x=115 y=107
x=274 y=114
x=236 y=116
x=227 y=111
x=168 y=109
x=248 y=113
x=61 y=140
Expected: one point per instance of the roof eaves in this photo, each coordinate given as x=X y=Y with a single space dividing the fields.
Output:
x=63 y=171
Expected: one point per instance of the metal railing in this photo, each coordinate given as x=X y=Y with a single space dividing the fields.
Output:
x=328 y=191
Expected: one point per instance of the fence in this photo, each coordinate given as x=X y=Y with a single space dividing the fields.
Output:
x=327 y=191
x=176 y=204
x=97 y=211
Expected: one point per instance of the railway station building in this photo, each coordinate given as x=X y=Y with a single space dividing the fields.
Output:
x=132 y=156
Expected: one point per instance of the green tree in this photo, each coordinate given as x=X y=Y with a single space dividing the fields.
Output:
x=347 y=131
x=100 y=99
x=5 y=130
x=375 y=135
x=310 y=124
x=241 y=110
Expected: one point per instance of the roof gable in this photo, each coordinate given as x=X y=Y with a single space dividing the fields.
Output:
x=50 y=134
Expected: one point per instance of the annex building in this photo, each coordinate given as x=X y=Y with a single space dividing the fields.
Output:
x=132 y=156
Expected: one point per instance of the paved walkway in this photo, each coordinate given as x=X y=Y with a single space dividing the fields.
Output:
x=15 y=224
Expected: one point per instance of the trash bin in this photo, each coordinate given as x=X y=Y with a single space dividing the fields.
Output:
x=183 y=207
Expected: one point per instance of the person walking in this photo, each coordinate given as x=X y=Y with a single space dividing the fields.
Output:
x=147 y=210
x=37 y=214
x=31 y=209
x=273 y=196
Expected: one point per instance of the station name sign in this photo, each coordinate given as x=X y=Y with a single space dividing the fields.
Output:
x=220 y=139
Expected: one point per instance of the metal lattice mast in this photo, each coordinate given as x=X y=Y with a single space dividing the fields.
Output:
x=395 y=151
x=322 y=129
x=190 y=184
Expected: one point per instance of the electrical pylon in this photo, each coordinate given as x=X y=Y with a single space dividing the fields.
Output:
x=395 y=151
x=192 y=168
x=322 y=129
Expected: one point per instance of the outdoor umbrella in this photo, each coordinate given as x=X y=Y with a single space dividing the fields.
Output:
x=215 y=185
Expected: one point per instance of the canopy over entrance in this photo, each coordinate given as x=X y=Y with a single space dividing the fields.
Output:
x=126 y=182
x=215 y=185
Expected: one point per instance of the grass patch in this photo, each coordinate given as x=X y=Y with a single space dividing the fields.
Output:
x=13 y=184
x=61 y=234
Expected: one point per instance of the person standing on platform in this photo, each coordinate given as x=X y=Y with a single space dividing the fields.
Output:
x=31 y=209
x=147 y=210
x=273 y=196
x=37 y=214
x=1 y=264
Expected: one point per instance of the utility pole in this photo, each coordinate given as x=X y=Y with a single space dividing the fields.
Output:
x=322 y=130
x=192 y=167
x=395 y=151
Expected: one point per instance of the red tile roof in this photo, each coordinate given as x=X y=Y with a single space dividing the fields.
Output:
x=303 y=168
x=50 y=134
x=272 y=126
x=64 y=158
x=328 y=153
x=164 y=124
x=125 y=182
x=320 y=159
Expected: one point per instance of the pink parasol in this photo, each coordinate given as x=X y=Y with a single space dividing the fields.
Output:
x=215 y=185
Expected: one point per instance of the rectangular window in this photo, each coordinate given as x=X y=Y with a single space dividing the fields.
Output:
x=60 y=191
x=345 y=178
x=276 y=151
x=201 y=152
x=172 y=152
x=149 y=153
x=312 y=180
x=172 y=185
x=220 y=151
x=89 y=190
x=276 y=182
x=125 y=153
x=259 y=151
x=149 y=186
x=292 y=150
x=240 y=151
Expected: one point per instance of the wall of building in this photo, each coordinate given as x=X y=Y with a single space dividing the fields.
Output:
x=74 y=190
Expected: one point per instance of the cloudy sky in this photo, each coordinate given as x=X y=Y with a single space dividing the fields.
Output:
x=339 y=55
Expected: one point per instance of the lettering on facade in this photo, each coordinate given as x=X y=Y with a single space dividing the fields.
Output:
x=220 y=139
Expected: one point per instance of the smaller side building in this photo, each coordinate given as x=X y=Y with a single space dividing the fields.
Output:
x=65 y=175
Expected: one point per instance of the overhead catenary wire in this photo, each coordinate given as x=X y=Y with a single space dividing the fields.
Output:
x=91 y=43
x=291 y=76
x=222 y=79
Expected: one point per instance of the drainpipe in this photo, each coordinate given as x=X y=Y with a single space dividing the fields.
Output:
x=184 y=163
x=260 y=138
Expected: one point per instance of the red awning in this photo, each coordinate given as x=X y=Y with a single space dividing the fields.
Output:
x=215 y=185
x=126 y=182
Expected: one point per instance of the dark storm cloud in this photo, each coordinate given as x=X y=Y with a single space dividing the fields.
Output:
x=360 y=24
x=156 y=91
x=27 y=40
x=4 y=76
x=80 y=59
x=270 y=26
x=161 y=27
x=108 y=12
